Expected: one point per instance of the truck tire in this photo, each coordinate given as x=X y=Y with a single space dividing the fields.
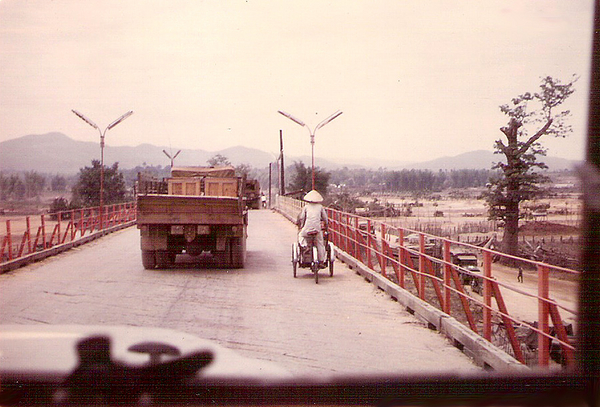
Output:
x=148 y=259
x=237 y=252
x=163 y=259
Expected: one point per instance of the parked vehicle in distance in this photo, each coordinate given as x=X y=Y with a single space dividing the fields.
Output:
x=469 y=262
x=252 y=193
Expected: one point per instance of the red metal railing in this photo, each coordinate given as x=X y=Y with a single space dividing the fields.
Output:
x=423 y=264
x=24 y=236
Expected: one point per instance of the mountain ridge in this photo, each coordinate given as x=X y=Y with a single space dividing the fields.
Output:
x=57 y=153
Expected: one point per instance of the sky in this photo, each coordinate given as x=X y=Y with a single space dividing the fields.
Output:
x=415 y=80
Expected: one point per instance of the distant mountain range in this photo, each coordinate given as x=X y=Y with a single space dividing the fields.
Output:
x=58 y=153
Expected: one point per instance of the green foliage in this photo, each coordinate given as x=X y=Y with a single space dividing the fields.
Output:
x=218 y=160
x=514 y=184
x=86 y=191
x=59 y=204
x=301 y=178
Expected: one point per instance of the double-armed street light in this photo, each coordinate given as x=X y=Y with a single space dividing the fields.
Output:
x=172 y=158
x=102 y=134
x=312 y=134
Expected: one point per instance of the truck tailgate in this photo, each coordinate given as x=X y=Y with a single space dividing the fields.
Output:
x=181 y=209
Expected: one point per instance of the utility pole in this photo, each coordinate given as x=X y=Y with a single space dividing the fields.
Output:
x=282 y=165
x=270 y=183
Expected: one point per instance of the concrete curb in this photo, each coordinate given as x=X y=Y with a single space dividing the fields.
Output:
x=481 y=351
x=41 y=255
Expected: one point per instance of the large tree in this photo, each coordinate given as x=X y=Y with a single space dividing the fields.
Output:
x=302 y=178
x=86 y=191
x=530 y=116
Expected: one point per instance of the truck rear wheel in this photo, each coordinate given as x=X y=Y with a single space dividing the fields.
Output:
x=164 y=259
x=238 y=252
x=148 y=259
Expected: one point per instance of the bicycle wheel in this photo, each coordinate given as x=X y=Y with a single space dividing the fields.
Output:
x=315 y=264
x=294 y=259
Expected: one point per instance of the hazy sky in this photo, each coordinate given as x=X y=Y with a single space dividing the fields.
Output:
x=415 y=79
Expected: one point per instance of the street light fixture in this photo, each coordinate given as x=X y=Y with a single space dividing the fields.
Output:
x=102 y=134
x=172 y=158
x=312 y=134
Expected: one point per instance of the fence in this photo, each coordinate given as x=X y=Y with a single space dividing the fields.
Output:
x=24 y=237
x=429 y=267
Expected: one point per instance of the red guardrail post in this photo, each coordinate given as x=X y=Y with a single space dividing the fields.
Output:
x=43 y=221
x=28 y=222
x=447 y=277
x=567 y=351
x=422 y=266
x=70 y=228
x=352 y=241
x=93 y=216
x=543 y=314
x=384 y=251
x=369 y=254
x=487 y=295
x=401 y=256
x=81 y=223
x=342 y=232
x=331 y=226
x=24 y=239
x=358 y=240
x=59 y=219
x=73 y=225
x=9 y=240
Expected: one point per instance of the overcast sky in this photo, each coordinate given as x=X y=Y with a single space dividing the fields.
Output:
x=416 y=80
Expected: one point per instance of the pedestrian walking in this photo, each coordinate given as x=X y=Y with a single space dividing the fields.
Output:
x=520 y=276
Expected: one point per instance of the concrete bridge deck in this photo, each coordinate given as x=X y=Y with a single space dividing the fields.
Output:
x=343 y=325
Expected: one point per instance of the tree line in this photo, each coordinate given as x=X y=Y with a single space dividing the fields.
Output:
x=365 y=181
x=29 y=185
x=409 y=180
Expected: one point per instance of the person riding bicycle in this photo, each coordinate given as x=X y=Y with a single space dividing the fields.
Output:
x=313 y=218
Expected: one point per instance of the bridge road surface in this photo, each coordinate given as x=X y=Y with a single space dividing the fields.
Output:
x=343 y=325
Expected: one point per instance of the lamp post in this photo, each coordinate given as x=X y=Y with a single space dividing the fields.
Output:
x=277 y=170
x=312 y=134
x=102 y=134
x=171 y=158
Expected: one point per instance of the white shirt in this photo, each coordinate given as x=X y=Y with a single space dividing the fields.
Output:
x=311 y=216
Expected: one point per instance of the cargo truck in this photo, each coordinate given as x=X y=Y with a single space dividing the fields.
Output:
x=198 y=211
x=252 y=193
